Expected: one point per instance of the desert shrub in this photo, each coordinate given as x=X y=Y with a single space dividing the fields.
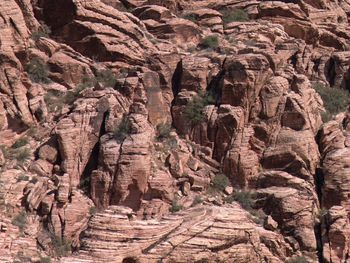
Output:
x=197 y=200
x=23 y=177
x=22 y=257
x=194 y=109
x=6 y=151
x=22 y=155
x=163 y=131
x=246 y=200
x=20 y=143
x=84 y=183
x=34 y=180
x=322 y=212
x=211 y=41
x=191 y=17
x=45 y=260
x=86 y=82
x=71 y=96
x=335 y=100
x=235 y=15
x=122 y=130
x=61 y=246
x=93 y=210
x=38 y=71
x=220 y=182
x=106 y=77
x=175 y=206
x=299 y=259
x=54 y=100
x=20 y=220
x=43 y=31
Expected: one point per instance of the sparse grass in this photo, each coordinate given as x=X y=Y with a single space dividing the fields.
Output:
x=45 y=260
x=20 y=220
x=335 y=100
x=122 y=130
x=298 y=259
x=38 y=71
x=20 y=143
x=43 y=31
x=220 y=182
x=61 y=247
x=235 y=15
x=175 y=206
x=194 y=109
x=163 y=131
x=211 y=42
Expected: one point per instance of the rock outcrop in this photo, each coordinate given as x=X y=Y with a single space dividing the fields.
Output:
x=174 y=131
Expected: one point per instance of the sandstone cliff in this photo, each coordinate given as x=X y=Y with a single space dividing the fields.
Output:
x=174 y=131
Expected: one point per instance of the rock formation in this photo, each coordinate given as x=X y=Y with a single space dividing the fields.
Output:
x=174 y=131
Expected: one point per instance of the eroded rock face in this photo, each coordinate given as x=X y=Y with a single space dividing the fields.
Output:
x=200 y=230
x=102 y=149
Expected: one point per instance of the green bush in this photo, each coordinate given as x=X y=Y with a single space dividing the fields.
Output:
x=106 y=77
x=93 y=210
x=23 y=177
x=191 y=17
x=20 y=143
x=210 y=42
x=61 y=246
x=194 y=109
x=122 y=130
x=43 y=31
x=197 y=200
x=335 y=100
x=38 y=71
x=22 y=155
x=299 y=259
x=247 y=200
x=175 y=206
x=235 y=15
x=54 y=100
x=163 y=131
x=20 y=220
x=220 y=182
